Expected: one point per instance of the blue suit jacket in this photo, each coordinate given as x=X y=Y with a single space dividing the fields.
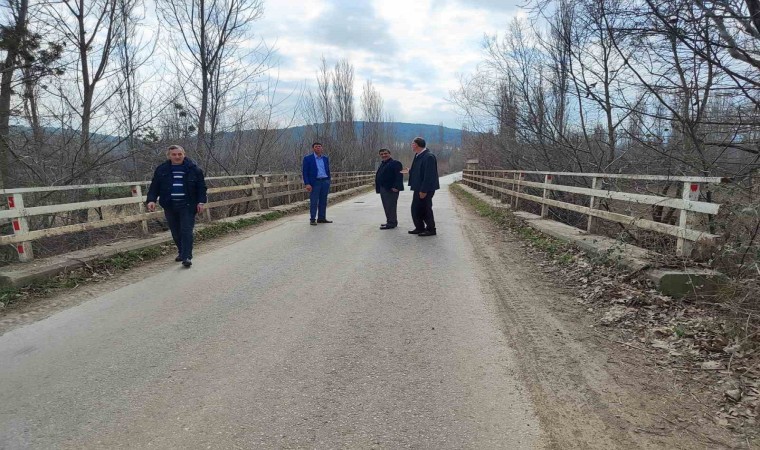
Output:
x=310 y=168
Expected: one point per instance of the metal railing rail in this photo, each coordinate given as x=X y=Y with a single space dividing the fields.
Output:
x=258 y=188
x=512 y=183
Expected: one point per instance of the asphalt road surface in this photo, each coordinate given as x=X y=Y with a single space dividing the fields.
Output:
x=334 y=336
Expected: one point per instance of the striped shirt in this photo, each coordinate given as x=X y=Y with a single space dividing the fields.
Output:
x=178 y=183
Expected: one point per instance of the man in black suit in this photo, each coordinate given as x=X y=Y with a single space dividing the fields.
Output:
x=389 y=181
x=423 y=180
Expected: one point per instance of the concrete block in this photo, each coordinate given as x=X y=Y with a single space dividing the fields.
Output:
x=678 y=283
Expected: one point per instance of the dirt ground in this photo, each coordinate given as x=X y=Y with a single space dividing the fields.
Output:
x=591 y=388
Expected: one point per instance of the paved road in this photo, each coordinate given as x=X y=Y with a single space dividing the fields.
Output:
x=335 y=336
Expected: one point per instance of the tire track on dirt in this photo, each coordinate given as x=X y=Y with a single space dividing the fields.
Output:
x=579 y=402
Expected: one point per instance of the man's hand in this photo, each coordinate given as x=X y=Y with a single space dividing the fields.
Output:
x=394 y=189
x=151 y=206
x=199 y=208
x=308 y=188
x=423 y=195
x=404 y=171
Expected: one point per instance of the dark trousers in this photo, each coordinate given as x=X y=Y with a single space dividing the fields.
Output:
x=390 y=200
x=181 y=221
x=318 y=199
x=422 y=211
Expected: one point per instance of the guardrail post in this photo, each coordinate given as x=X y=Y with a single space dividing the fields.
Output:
x=518 y=189
x=258 y=189
x=502 y=195
x=592 y=205
x=20 y=227
x=137 y=192
x=286 y=179
x=207 y=213
x=252 y=182
x=545 y=207
x=690 y=192
x=265 y=190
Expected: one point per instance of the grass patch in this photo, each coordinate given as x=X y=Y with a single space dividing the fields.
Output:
x=561 y=252
x=222 y=228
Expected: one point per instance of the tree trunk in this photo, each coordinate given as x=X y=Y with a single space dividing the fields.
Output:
x=8 y=68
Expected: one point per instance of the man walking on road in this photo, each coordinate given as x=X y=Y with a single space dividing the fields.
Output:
x=316 y=178
x=180 y=188
x=389 y=181
x=423 y=180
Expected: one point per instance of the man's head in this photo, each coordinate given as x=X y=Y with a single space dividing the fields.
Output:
x=418 y=145
x=385 y=154
x=176 y=154
x=317 y=148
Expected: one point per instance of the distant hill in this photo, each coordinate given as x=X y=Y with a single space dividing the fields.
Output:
x=407 y=132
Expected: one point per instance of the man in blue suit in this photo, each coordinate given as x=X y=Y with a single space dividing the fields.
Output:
x=316 y=178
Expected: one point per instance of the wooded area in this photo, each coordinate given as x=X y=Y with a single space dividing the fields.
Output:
x=658 y=87
x=93 y=91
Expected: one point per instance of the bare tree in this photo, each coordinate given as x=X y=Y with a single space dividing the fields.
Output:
x=13 y=37
x=92 y=28
x=207 y=38
x=27 y=55
x=373 y=130
x=346 y=143
x=134 y=112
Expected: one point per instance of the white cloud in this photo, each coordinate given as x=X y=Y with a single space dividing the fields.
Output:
x=413 y=51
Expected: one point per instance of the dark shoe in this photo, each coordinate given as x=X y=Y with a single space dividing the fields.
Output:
x=324 y=221
x=386 y=227
x=312 y=222
x=427 y=233
x=178 y=258
x=187 y=263
x=416 y=231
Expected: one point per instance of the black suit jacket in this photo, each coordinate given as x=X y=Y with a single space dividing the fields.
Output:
x=389 y=176
x=423 y=176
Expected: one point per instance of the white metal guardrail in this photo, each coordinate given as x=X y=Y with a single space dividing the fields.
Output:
x=512 y=183
x=287 y=187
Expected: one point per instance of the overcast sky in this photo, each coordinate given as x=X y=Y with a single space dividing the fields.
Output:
x=412 y=50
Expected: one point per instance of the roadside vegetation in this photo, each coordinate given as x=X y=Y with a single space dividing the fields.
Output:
x=698 y=340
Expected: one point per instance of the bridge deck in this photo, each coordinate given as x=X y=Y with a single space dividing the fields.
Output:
x=327 y=336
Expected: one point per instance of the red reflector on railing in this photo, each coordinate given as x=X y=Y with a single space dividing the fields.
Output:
x=548 y=177
x=16 y=226
x=20 y=249
x=694 y=187
x=11 y=202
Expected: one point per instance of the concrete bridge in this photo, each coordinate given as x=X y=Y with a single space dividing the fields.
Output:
x=335 y=336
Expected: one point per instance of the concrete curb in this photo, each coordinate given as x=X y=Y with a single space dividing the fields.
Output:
x=23 y=274
x=672 y=282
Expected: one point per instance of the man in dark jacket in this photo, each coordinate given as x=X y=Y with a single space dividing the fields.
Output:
x=389 y=181
x=180 y=188
x=423 y=180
